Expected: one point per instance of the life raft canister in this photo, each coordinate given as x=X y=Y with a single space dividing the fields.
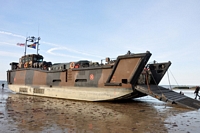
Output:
x=26 y=65
x=72 y=65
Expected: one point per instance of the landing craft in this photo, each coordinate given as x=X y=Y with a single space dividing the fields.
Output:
x=127 y=77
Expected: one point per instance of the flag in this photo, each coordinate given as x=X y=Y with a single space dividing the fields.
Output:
x=21 y=44
x=32 y=45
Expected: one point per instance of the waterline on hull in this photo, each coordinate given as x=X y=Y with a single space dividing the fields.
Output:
x=75 y=93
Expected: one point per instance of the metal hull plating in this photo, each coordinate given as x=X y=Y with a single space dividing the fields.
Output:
x=110 y=81
x=126 y=77
x=75 y=93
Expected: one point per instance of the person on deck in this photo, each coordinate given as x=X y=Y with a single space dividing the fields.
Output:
x=181 y=93
x=197 y=92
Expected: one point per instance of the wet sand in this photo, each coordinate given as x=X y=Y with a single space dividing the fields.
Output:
x=22 y=113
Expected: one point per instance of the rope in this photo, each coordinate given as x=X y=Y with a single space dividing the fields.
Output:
x=173 y=77
x=147 y=82
x=168 y=80
x=162 y=95
x=156 y=83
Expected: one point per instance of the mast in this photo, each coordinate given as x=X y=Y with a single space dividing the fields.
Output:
x=25 y=47
x=33 y=40
x=38 y=44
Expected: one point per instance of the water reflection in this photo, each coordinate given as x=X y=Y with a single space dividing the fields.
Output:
x=36 y=114
x=22 y=113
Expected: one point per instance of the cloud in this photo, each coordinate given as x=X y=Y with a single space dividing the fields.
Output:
x=50 y=51
x=9 y=54
x=59 y=47
x=12 y=34
x=58 y=54
x=3 y=43
x=48 y=43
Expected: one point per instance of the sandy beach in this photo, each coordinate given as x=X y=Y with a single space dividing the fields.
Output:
x=22 y=113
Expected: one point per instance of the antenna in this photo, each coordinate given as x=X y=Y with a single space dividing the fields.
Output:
x=25 y=45
x=38 y=29
x=38 y=38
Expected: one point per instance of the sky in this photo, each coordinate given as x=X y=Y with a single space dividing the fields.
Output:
x=72 y=30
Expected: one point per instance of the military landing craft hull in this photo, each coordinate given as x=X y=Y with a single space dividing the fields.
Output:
x=114 y=80
x=127 y=77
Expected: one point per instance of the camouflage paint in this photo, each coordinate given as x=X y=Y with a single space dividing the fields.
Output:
x=82 y=82
x=53 y=78
x=88 y=78
x=41 y=80
x=29 y=76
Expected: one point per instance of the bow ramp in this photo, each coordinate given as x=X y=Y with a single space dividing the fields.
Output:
x=167 y=95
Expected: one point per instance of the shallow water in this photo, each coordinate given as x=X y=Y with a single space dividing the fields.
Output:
x=22 y=113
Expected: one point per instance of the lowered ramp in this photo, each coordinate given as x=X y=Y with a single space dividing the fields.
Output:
x=167 y=95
